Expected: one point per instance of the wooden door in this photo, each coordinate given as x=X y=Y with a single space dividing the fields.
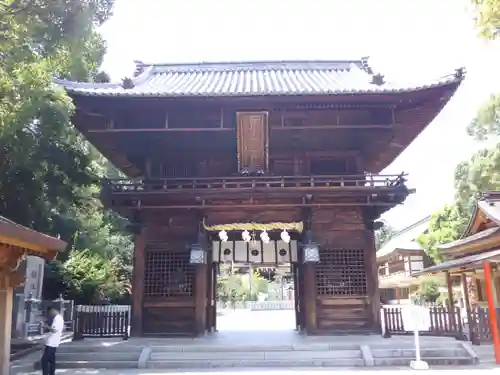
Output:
x=252 y=140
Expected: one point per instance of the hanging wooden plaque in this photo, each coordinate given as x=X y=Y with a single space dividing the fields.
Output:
x=252 y=141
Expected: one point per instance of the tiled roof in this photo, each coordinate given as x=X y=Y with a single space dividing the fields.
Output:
x=471 y=261
x=406 y=239
x=470 y=239
x=11 y=230
x=488 y=204
x=276 y=78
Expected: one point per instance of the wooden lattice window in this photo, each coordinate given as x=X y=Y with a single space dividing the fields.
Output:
x=168 y=274
x=341 y=272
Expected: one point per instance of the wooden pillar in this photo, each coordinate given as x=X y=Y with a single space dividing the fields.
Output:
x=398 y=295
x=200 y=298
x=210 y=296
x=138 y=283
x=296 y=298
x=300 y=300
x=492 y=311
x=451 y=304
x=6 y=298
x=468 y=308
x=309 y=297
x=372 y=287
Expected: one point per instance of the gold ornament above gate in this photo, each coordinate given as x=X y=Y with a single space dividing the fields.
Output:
x=294 y=226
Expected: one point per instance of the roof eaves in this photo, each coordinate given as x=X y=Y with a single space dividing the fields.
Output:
x=99 y=90
x=29 y=237
x=472 y=239
x=486 y=197
x=459 y=263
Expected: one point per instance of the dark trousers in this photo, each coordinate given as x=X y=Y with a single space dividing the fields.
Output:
x=48 y=361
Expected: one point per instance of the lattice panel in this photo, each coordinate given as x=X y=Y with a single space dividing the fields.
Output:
x=341 y=272
x=168 y=274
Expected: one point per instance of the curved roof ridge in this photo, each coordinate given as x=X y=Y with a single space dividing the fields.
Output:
x=405 y=239
x=255 y=65
x=415 y=224
x=484 y=198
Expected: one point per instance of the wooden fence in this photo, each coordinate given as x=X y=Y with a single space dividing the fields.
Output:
x=480 y=327
x=443 y=322
x=101 y=321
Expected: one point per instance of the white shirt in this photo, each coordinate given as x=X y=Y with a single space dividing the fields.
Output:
x=54 y=337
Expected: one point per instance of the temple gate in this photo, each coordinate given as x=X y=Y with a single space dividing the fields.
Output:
x=223 y=159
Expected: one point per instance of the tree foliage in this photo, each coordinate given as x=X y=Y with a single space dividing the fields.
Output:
x=487 y=17
x=445 y=226
x=383 y=235
x=428 y=289
x=49 y=174
x=233 y=286
x=487 y=120
x=481 y=172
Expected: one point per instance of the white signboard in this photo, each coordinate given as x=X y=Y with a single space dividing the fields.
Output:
x=416 y=318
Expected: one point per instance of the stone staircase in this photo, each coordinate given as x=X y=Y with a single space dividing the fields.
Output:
x=80 y=355
x=453 y=354
x=254 y=356
x=198 y=356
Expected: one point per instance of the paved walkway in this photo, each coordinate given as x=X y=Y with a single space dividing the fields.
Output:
x=301 y=371
x=242 y=327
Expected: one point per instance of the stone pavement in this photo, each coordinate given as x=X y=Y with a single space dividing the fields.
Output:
x=301 y=371
x=246 y=329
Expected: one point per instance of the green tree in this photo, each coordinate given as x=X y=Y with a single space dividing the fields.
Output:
x=445 y=226
x=428 y=289
x=49 y=174
x=92 y=279
x=487 y=17
x=383 y=235
x=480 y=173
x=487 y=120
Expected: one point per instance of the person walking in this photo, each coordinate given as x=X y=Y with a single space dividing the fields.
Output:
x=52 y=341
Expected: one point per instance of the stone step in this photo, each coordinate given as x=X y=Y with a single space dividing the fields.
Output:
x=433 y=361
x=79 y=348
x=97 y=364
x=251 y=348
x=96 y=356
x=243 y=356
x=253 y=363
x=424 y=352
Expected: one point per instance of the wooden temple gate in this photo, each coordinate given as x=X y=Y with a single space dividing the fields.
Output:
x=235 y=150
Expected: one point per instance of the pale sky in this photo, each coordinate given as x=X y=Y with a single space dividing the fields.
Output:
x=406 y=40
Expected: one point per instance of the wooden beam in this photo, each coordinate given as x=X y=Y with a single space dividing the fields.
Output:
x=160 y=130
x=492 y=311
x=331 y=127
x=267 y=205
x=222 y=129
